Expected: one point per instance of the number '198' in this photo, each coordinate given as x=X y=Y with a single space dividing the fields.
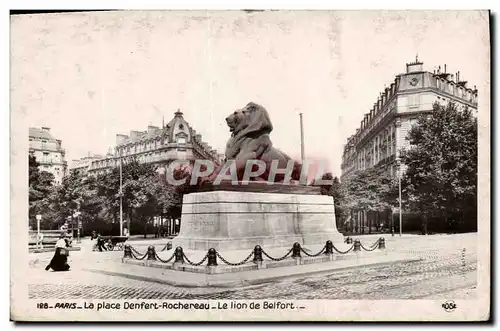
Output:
x=42 y=305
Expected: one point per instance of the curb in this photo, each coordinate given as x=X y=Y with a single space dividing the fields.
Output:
x=52 y=249
x=244 y=282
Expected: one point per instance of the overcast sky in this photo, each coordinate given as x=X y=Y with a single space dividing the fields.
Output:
x=89 y=76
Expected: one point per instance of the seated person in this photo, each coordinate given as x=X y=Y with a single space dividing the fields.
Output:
x=59 y=261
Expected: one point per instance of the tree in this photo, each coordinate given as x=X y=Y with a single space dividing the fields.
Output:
x=441 y=167
x=367 y=190
x=40 y=188
x=333 y=190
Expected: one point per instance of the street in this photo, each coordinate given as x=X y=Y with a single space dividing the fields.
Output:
x=447 y=270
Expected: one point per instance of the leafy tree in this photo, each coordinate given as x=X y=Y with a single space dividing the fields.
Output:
x=40 y=187
x=441 y=167
x=369 y=190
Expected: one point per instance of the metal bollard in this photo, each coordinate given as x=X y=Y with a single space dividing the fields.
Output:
x=381 y=243
x=127 y=252
x=212 y=257
x=151 y=253
x=328 y=247
x=179 y=255
x=257 y=254
x=357 y=245
x=296 y=250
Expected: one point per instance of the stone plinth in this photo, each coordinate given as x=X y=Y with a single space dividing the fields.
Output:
x=235 y=220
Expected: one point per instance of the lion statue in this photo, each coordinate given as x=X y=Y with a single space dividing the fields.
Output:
x=250 y=128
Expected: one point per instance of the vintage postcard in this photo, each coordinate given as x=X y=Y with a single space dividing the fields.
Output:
x=250 y=165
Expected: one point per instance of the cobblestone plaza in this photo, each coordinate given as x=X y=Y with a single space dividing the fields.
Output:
x=448 y=268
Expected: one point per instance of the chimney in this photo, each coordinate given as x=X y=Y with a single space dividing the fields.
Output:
x=120 y=138
x=445 y=69
x=152 y=128
x=134 y=134
x=44 y=128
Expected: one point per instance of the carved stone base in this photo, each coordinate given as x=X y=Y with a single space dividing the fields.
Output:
x=235 y=220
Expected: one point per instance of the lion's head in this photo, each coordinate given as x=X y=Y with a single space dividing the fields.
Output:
x=252 y=118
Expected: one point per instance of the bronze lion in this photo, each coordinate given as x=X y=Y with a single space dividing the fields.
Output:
x=250 y=128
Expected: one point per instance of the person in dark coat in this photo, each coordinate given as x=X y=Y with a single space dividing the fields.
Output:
x=100 y=243
x=59 y=261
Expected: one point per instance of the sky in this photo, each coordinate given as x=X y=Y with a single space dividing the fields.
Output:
x=89 y=76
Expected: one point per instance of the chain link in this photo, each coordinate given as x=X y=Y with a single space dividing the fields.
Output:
x=165 y=261
x=139 y=258
x=340 y=252
x=313 y=255
x=369 y=249
x=278 y=259
x=135 y=250
x=375 y=243
x=195 y=264
x=234 y=264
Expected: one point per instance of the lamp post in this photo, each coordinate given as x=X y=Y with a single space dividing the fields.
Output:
x=38 y=219
x=77 y=216
x=121 y=197
x=400 y=207
x=302 y=152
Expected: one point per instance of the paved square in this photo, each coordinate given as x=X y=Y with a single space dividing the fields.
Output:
x=448 y=269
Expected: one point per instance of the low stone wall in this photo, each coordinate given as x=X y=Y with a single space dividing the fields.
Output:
x=50 y=237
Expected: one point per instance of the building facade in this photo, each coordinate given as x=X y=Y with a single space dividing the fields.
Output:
x=48 y=152
x=175 y=141
x=383 y=130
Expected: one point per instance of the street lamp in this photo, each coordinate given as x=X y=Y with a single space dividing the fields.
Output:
x=400 y=205
x=38 y=219
x=79 y=224
x=121 y=196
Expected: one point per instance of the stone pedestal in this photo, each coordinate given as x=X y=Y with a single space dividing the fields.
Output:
x=239 y=220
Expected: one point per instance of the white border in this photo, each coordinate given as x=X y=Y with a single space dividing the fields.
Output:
x=198 y=5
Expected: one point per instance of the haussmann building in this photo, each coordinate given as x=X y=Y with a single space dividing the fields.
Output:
x=175 y=141
x=383 y=130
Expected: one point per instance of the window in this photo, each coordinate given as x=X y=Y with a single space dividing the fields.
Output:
x=181 y=140
x=413 y=100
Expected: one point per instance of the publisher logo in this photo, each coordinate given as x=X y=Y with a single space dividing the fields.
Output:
x=449 y=306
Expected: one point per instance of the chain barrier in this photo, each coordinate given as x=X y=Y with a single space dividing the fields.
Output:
x=135 y=250
x=165 y=261
x=234 y=264
x=313 y=255
x=278 y=259
x=341 y=252
x=257 y=253
x=139 y=258
x=369 y=249
x=195 y=264
x=373 y=247
x=167 y=247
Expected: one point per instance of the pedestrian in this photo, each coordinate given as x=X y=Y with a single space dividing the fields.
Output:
x=59 y=261
x=100 y=243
